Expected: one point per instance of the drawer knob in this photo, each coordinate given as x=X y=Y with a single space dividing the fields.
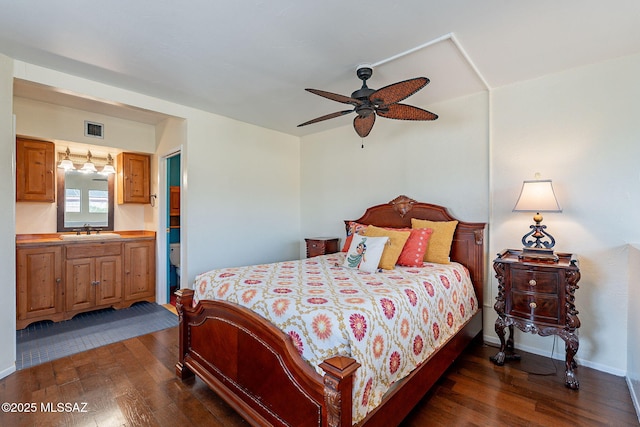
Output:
x=532 y=282
x=533 y=305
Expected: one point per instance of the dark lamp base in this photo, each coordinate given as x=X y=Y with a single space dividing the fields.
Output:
x=538 y=254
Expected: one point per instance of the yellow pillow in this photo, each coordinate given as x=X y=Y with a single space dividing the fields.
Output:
x=393 y=248
x=441 y=239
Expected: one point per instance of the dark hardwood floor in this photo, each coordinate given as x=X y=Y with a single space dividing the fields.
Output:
x=132 y=383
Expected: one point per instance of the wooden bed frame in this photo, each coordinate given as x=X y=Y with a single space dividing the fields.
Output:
x=255 y=367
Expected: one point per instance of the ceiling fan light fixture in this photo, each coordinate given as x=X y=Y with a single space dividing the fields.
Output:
x=371 y=102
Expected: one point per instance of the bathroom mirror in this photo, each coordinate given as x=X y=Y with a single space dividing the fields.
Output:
x=84 y=199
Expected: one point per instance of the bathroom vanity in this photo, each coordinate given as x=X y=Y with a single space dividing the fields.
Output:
x=60 y=275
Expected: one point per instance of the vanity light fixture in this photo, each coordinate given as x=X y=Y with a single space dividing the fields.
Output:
x=66 y=163
x=108 y=168
x=89 y=166
x=538 y=196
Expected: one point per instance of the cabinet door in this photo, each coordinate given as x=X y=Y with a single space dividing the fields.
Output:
x=35 y=163
x=39 y=284
x=80 y=284
x=133 y=178
x=139 y=270
x=109 y=280
x=174 y=200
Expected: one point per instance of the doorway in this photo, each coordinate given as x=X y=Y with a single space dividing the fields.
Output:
x=173 y=229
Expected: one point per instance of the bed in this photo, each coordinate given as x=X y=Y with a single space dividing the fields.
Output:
x=259 y=369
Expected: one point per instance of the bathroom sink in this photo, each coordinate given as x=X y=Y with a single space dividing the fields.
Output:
x=95 y=236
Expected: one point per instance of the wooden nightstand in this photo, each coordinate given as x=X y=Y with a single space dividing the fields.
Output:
x=321 y=246
x=537 y=296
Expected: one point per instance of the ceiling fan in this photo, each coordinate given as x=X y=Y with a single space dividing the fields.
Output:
x=382 y=102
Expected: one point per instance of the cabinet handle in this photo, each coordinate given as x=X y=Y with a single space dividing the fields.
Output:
x=532 y=282
x=58 y=280
x=533 y=305
x=95 y=283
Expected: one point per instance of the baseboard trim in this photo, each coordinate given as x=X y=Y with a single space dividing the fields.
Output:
x=634 y=390
x=560 y=355
x=8 y=371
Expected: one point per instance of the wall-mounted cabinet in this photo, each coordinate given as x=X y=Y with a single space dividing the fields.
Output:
x=134 y=183
x=174 y=200
x=35 y=164
x=174 y=206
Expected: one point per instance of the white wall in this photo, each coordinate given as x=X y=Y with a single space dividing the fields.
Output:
x=247 y=185
x=579 y=128
x=7 y=220
x=44 y=120
x=633 y=340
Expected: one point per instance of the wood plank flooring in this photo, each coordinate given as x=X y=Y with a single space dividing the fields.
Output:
x=132 y=383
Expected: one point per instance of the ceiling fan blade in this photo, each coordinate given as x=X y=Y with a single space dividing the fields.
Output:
x=363 y=125
x=335 y=97
x=326 y=117
x=398 y=91
x=405 y=112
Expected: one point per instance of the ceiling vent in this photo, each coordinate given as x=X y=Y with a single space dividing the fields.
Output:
x=93 y=129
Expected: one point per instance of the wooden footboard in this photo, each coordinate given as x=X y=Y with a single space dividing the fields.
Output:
x=257 y=370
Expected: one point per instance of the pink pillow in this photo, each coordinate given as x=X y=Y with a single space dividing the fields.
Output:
x=354 y=228
x=412 y=254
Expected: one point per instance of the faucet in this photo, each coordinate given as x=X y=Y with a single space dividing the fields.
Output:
x=87 y=228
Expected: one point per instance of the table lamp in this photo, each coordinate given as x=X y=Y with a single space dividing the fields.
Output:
x=538 y=196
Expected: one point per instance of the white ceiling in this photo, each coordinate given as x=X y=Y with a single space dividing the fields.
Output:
x=251 y=60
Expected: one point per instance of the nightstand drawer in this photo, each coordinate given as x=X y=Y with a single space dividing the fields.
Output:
x=532 y=280
x=536 y=307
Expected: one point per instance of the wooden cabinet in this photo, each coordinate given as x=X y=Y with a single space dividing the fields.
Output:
x=139 y=271
x=40 y=293
x=321 y=246
x=93 y=277
x=174 y=200
x=537 y=296
x=134 y=182
x=55 y=279
x=174 y=206
x=35 y=166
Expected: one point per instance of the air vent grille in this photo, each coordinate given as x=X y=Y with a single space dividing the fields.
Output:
x=93 y=129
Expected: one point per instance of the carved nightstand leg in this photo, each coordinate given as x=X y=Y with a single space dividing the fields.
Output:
x=571 y=347
x=506 y=346
x=510 y=339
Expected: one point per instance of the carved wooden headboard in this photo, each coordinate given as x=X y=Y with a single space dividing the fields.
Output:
x=468 y=240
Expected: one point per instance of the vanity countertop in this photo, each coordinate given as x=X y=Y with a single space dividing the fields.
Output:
x=54 y=238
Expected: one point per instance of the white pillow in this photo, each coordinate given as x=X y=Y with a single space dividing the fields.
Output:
x=365 y=252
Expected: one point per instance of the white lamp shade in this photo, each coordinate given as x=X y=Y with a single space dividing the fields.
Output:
x=89 y=167
x=108 y=169
x=537 y=196
x=66 y=164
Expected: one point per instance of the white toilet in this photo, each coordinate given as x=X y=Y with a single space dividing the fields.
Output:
x=174 y=257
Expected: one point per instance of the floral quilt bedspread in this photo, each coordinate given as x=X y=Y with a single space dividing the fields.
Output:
x=389 y=321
